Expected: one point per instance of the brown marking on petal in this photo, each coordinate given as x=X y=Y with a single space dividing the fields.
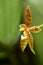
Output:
x=31 y=40
x=28 y=16
x=23 y=44
x=28 y=19
x=31 y=43
x=28 y=24
x=36 y=29
x=28 y=12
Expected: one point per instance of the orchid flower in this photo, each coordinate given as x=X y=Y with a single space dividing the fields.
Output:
x=26 y=37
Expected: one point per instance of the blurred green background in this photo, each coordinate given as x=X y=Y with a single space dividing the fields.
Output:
x=12 y=14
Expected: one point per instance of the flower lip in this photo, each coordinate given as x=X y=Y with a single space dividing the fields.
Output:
x=22 y=37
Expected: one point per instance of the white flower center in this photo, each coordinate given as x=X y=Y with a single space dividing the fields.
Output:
x=22 y=37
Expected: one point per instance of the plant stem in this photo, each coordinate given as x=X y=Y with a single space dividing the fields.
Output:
x=40 y=25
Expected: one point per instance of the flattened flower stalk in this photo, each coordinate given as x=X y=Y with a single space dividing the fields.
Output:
x=26 y=37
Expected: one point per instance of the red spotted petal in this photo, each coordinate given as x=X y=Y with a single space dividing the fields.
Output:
x=28 y=16
x=35 y=29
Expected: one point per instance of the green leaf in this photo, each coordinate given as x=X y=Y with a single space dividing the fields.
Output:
x=10 y=15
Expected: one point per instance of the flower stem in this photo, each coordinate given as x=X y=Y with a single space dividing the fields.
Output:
x=40 y=25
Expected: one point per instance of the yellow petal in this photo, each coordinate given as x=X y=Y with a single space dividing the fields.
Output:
x=35 y=29
x=25 y=33
x=23 y=43
x=22 y=27
x=30 y=41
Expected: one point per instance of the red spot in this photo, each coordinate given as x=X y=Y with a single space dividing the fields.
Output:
x=36 y=29
x=28 y=18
